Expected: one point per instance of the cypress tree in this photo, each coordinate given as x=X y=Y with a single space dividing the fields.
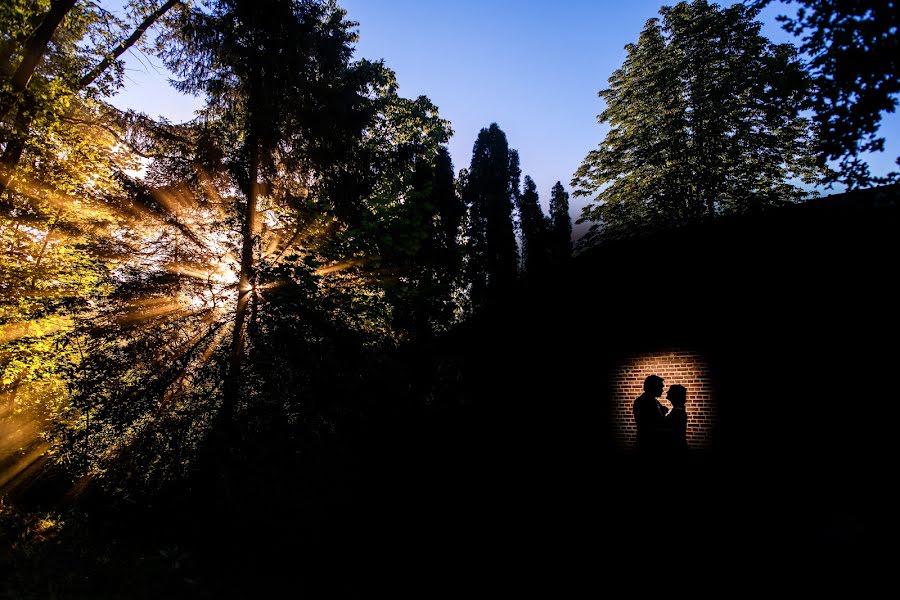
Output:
x=450 y=209
x=535 y=248
x=492 y=254
x=560 y=225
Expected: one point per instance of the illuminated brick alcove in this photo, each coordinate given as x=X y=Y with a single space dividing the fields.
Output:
x=680 y=366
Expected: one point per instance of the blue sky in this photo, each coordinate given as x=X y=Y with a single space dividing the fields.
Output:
x=533 y=66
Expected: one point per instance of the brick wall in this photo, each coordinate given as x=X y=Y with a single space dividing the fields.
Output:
x=683 y=367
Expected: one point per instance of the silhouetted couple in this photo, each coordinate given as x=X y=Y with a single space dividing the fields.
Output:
x=660 y=430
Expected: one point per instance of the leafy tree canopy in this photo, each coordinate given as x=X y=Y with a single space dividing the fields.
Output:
x=705 y=119
x=852 y=49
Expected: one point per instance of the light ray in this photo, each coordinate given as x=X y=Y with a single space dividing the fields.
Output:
x=148 y=308
x=177 y=385
x=22 y=450
x=64 y=203
x=341 y=266
x=25 y=468
x=271 y=285
x=157 y=416
x=210 y=191
x=11 y=332
x=175 y=199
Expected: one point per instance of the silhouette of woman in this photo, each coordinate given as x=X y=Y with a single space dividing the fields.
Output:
x=676 y=420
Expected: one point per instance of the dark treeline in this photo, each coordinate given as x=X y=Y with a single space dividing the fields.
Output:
x=286 y=344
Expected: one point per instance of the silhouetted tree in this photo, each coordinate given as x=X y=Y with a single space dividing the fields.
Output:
x=535 y=249
x=428 y=267
x=492 y=253
x=450 y=208
x=515 y=192
x=129 y=296
x=284 y=101
x=515 y=177
x=853 y=49
x=704 y=119
x=560 y=225
x=450 y=211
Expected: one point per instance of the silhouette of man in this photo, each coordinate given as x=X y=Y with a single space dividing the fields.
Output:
x=676 y=420
x=650 y=416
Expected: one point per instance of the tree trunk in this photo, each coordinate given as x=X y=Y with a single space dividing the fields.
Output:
x=245 y=288
x=12 y=154
x=223 y=440
x=15 y=146
x=120 y=49
x=33 y=52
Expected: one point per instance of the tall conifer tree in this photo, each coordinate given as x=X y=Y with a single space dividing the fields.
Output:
x=535 y=248
x=560 y=224
x=492 y=253
x=283 y=97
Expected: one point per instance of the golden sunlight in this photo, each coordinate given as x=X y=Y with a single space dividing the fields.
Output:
x=11 y=332
x=341 y=266
x=22 y=448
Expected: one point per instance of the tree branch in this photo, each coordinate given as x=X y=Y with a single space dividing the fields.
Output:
x=33 y=52
x=123 y=46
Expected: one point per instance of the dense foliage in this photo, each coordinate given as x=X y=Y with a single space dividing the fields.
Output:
x=225 y=315
x=852 y=50
x=161 y=279
x=491 y=186
x=705 y=119
x=535 y=250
